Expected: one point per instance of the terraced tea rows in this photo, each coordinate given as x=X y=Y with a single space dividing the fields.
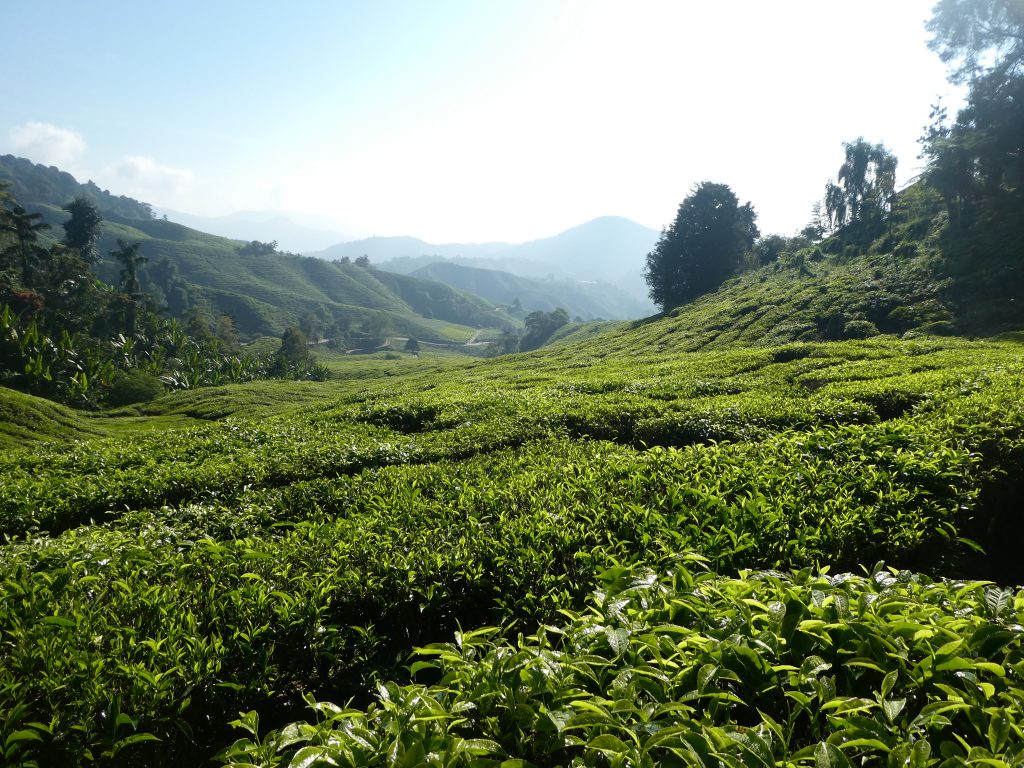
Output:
x=156 y=583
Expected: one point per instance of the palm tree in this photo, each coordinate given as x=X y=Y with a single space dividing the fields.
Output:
x=25 y=249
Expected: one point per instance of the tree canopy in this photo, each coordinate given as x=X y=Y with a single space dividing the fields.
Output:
x=977 y=162
x=540 y=326
x=979 y=37
x=702 y=248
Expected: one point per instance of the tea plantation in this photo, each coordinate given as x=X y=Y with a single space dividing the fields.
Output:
x=611 y=552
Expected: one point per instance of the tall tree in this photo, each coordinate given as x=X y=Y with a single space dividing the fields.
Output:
x=703 y=246
x=867 y=180
x=130 y=258
x=82 y=229
x=978 y=162
x=294 y=350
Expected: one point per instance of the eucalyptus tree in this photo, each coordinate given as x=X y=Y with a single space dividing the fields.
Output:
x=867 y=180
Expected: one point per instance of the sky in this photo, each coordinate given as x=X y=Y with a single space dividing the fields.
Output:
x=465 y=120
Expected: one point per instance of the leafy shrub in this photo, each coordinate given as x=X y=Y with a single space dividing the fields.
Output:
x=692 y=668
x=134 y=387
x=860 y=329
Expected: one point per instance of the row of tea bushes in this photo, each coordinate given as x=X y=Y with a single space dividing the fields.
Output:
x=745 y=395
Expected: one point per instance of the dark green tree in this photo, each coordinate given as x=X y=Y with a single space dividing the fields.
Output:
x=227 y=336
x=540 y=326
x=412 y=346
x=702 y=248
x=977 y=163
x=82 y=229
x=769 y=249
x=294 y=350
x=130 y=259
x=952 y=166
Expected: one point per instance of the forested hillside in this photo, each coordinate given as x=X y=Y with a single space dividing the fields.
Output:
x=260 y=288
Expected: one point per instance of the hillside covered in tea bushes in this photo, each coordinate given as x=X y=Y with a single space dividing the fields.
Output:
x=249 y=548
x=776 y=525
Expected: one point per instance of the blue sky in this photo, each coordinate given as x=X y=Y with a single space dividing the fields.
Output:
x=465 y=120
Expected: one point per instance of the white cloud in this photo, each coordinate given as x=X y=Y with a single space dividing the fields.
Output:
x=146 y=179
x=146 y=170
x=46 y=143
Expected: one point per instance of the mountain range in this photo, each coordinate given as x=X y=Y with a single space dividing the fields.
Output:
x=593 y=270
x=589 y=300
x=263 y=292
x=606 y=248
x=609 y=250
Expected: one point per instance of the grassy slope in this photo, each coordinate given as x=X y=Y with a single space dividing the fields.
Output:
x=907 y=279
x=265 y=293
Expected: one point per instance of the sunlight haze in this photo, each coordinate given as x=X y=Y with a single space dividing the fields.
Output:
x=467 y=121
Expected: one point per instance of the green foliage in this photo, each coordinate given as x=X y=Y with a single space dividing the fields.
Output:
x=46 y=185
x=540 y=326
x=978 y=36
x=702 y=247
x=24 y=256
x=692 y=668
x=294 y=348
x=976 y=163
x=262 y=289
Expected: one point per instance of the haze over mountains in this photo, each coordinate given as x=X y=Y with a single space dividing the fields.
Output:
x=585 y=299
x=601 y=249
x=265 y=226
x=594 y=270
x=609 y=250
x=264 y=290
